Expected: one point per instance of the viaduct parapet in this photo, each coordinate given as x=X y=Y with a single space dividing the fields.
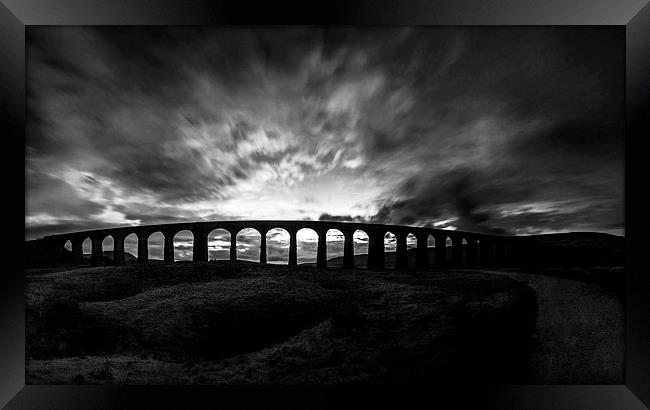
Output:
x=468 y=249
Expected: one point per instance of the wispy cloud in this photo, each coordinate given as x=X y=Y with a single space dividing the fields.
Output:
x=462 y=128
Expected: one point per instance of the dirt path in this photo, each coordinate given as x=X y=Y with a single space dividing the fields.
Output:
x=580 y=334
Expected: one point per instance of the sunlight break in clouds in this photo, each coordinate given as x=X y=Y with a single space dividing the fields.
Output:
x=457 y=128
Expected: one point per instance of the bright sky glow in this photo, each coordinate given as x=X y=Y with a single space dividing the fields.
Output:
x=514 y=130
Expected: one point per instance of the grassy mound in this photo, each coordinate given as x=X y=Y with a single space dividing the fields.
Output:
x=241 y=323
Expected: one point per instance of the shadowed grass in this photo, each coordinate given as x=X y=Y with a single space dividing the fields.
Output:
x=242 y=323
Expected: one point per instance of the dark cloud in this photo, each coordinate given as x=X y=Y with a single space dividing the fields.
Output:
x=489 y=129
x=341 y=218
x=183 y=247
x=277 y=234
x=52 y=195
x=489 y=201
x=587 y=140
x=248 y=237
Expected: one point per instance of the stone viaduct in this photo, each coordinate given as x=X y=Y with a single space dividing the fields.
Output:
x=467 y=249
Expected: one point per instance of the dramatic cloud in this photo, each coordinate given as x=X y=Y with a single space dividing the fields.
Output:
x=506 y=130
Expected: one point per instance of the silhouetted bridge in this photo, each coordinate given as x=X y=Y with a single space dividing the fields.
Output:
x=468 y=249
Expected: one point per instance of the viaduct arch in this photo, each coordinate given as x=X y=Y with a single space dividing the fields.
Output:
x=468 y=249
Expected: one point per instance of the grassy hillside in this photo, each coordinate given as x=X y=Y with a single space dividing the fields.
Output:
x=243 y=323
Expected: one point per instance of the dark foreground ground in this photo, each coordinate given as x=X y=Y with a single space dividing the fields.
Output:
x=241 y=323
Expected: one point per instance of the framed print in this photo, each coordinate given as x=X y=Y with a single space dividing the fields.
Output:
x=366 y=202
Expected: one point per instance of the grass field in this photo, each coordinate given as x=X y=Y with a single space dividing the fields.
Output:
x=241 y=323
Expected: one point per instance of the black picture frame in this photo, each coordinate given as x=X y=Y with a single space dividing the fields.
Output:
x=633 y=14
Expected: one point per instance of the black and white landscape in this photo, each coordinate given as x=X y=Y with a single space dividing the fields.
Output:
x=324 y=205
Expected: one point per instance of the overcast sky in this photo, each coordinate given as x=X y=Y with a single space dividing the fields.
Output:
x=496 y=130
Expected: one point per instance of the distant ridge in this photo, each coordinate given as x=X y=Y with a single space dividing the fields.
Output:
x=583 y=239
